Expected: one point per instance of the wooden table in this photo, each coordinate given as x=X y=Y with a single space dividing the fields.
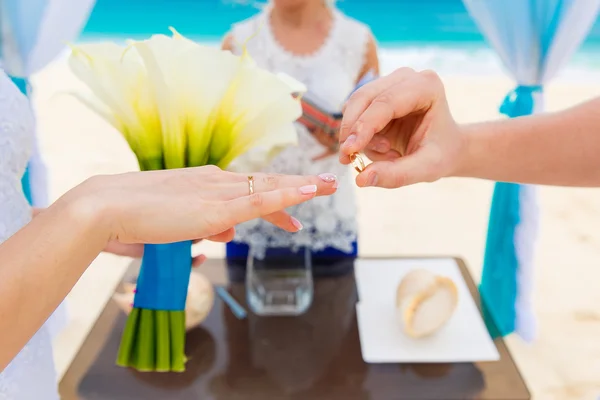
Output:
x=312 y=357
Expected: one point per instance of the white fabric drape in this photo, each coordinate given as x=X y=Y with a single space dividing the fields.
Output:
x=34 y=32
x=62 y=23
x=534 y=39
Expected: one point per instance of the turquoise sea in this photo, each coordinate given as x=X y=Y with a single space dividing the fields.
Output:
x=436 y=34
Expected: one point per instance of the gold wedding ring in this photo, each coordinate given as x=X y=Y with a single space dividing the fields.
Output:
x=357 y=162
x=251 y=185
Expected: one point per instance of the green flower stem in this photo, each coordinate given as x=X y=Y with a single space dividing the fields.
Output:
x=146 y=343
x=163 y=341
x=128 y=339
x=153 y=340
x=177 y=325
x=151 y=164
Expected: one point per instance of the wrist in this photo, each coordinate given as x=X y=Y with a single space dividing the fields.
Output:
x=87 y=206
x=468 y=150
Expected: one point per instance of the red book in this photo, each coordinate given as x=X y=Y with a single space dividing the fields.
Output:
x=314 y=116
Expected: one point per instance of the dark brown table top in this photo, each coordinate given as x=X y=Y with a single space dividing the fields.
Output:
x=312 y=357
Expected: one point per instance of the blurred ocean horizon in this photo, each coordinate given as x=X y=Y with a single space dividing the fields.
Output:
x=436 y=34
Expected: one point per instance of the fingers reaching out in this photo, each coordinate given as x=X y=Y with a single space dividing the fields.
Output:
x=374 y=106
x=400 y=171
x=267 y=196
x=403 y=124
x=326 y=184
x=203 y=202
x=361 y=99
x=269 y=204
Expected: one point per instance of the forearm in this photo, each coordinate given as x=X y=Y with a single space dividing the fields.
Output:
x=43 y=260
x=552 y=149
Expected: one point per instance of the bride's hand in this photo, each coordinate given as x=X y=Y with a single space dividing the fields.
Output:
x=133 y=250
x=192 y=203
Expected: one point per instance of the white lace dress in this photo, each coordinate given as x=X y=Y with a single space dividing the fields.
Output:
x=30 y=375
x=330 y=75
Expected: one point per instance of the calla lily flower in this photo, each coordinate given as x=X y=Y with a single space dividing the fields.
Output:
x=181 y=104
x=120 y=94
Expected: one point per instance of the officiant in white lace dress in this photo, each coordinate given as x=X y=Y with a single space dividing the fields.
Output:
x=330 y=53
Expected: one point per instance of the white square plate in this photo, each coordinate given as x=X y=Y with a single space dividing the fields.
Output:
x=463 y=339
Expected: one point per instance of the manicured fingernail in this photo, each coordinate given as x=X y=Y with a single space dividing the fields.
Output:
x=296 y=223
x=350 y=141
x=309 y=189
x=330 y=178
x=372 y=181
x=134 y=290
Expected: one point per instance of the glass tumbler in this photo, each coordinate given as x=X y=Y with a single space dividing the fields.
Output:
x=279 y=281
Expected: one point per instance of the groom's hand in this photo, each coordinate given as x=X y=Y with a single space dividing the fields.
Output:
x=401 y=122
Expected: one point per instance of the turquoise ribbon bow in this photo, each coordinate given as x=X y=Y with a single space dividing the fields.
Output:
x=499 y=281
x=520 y=102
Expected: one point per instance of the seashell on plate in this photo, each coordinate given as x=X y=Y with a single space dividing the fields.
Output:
x=199 y=302
x=425 y=302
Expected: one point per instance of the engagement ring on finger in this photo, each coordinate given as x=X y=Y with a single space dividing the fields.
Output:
x=250 y=185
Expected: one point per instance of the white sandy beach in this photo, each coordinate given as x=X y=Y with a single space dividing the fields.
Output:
x=445 y=218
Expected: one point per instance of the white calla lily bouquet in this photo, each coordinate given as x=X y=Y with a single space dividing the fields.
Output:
x=180 y=104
